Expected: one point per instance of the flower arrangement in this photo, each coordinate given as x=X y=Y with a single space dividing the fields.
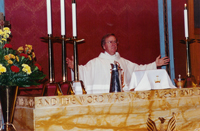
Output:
x=17 y=67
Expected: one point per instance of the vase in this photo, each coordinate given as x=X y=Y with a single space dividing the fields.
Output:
x=8 y=95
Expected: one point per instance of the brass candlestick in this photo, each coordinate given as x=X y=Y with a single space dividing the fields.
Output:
x=74 y=40
x=51 y=66
x=76 y=76
x=51 y=81
x=188 y=58
x=65 y=82
x=190 y=79
x=64 y=71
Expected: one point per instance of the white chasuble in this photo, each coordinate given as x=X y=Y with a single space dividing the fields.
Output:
x=96 y=74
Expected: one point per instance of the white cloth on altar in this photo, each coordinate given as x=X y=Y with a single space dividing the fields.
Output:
x=150 y=80
x=77 y=88
x=96 y=74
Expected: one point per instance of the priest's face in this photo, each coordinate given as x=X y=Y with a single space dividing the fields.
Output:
x=110 y=45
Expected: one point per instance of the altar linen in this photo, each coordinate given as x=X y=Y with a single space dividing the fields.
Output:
x=150 y=80
x=96 y=74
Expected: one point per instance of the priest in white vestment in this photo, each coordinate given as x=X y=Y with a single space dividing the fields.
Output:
x=96 y=74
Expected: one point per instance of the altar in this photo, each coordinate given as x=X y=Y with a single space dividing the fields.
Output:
x=122 y=111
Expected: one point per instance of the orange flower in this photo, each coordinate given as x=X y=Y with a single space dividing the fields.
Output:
x=10 y=62
x=6 y=57
x=33 y=55
x=28 y=48
x=12 y=56
x=17 y=58
x=20 y=49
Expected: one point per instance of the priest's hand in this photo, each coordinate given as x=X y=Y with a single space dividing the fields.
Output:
x=70 y=62
x=162 y=61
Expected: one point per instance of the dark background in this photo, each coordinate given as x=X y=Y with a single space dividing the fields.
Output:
x=196 y=13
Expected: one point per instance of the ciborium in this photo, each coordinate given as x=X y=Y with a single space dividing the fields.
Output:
x=180 y=82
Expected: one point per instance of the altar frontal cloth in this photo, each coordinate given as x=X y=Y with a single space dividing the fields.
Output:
x=150 y=80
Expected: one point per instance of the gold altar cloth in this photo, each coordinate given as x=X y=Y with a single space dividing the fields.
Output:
x=124 y=111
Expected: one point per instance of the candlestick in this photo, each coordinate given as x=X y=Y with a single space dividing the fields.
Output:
x=188 y=58
x=78 y=85
x=50 y=39
x=186 y=21
x=76 y=77
x=74 y=18
x=64 y=70
x=62 y=16
x=190 y=79
x=51 y=66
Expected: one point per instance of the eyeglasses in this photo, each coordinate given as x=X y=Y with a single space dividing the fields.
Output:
x=112 y=42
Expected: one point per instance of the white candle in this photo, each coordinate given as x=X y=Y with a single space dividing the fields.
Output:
x=62 y=16
x=49 y=25
x=186 y=21
x=74 y=18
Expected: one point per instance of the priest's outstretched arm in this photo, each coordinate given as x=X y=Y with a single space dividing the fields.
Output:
x=159 y=61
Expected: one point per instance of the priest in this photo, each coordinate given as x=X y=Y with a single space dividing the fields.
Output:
x=96 y=74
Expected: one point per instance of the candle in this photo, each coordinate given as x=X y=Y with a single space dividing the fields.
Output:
x=62 y=15
x=49 y=25
x=186 y=21
x=74 y=18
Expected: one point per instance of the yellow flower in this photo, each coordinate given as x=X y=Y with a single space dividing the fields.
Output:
x=17 y=58
x=20 y=49
x=6 y=35
x=2 y=69
x=12 y=56
x=7 y=30
x=6 y=57
x=33 y=55
x=10 y=62
x=1 y=32
x=26 y=68
x=3 y=39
